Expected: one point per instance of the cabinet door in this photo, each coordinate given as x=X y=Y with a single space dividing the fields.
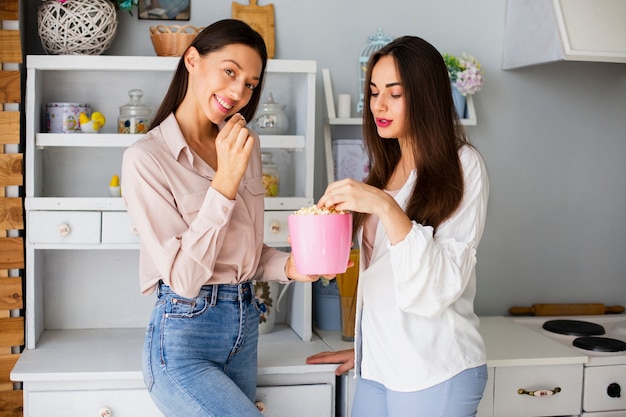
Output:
x=117 y=227
x=122 y=403
x=276 y=227
x=63 y=227
x=297 y=400
x=509 y=403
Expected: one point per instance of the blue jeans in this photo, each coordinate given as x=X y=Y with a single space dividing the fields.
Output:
x=457 y=397
x=200 y=354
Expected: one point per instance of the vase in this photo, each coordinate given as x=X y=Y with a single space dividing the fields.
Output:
x=268 y=296
x=76 y=27
x=459 y=101
x=326 y=305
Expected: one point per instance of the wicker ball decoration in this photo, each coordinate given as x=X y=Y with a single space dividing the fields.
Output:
x=172 y=40
x=76 y=27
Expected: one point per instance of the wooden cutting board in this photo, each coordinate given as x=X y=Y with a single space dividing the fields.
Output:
x=260 y=18
x=566 y=309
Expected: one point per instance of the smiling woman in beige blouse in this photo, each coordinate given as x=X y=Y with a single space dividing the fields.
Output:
x=193 y=187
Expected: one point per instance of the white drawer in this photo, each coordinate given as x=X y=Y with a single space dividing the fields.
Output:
x=297 y=400
x=276 y=227
x=508 y=380
x=117 y=227
x=122 y=403
x=598 y=379
x=63 y=226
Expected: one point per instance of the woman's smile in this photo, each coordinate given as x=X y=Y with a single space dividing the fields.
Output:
x=224 y=105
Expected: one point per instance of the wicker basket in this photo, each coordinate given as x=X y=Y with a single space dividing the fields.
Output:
x=172 y=40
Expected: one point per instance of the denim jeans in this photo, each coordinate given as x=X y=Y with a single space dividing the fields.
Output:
x=457 y=397
x=200 y=354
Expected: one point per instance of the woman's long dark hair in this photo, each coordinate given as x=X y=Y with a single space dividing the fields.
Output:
x=433 y=126
x=210 y=39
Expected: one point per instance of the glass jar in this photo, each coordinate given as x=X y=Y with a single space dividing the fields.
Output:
x=271 y=180
x=270 y=119
x=134 y=115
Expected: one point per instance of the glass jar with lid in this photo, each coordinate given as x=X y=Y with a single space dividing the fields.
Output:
x=134 y=115
x=271 y=180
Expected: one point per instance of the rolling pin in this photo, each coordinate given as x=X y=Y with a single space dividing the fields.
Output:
x=566 y=309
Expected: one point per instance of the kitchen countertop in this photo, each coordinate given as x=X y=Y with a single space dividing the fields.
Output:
x=508 y=344
x=115 y=354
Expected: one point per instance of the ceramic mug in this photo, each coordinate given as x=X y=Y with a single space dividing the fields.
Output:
x=321 y=243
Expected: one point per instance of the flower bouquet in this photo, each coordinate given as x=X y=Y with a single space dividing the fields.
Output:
x=465 y=73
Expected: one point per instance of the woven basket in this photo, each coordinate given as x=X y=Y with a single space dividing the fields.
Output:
x=76 y=27
x=172 y=40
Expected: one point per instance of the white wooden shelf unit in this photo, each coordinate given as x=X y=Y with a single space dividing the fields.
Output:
x=82 y=252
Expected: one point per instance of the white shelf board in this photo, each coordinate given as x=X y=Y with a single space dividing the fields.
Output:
x=355 y=121
x=144 y=63
x=120 y=140
x=84 y=140
x=75 y=203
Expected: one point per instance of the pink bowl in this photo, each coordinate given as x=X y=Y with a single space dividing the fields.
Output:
x=321 y=243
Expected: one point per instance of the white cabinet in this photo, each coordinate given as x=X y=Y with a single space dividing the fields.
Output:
x=517 y=358
x=84 y=312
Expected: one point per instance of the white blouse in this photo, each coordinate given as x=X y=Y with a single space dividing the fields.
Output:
x=416 y=325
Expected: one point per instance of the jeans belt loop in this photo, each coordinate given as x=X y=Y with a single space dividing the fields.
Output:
x=214 y=295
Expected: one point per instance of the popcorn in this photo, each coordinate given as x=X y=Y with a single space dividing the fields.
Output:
x=314 y=210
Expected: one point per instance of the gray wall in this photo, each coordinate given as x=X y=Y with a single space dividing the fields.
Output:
x=553 y=137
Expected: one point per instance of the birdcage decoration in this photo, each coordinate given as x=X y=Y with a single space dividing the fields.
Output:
x=374 y=43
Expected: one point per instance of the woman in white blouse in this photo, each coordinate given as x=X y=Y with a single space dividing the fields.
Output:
x=419 y=217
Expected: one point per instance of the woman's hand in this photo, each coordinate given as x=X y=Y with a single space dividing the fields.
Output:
x=352 y=195
x=292 y=272
x=233 y=146
x=343 y=357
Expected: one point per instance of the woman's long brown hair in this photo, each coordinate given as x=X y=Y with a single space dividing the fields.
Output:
x=212 y=38
x=433 y=126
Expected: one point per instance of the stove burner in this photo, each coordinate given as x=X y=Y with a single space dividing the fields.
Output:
x=574 y=327
x=600 y=344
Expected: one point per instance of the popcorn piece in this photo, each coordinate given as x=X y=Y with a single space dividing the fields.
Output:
x=314 y=210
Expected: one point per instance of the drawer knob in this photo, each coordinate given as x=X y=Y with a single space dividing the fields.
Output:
x=64 y=229
x=104 y=412
x=260 y=406
x=275 y=227
x=614 y=390
x=540 y=392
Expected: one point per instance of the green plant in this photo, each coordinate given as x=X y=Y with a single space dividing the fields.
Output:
x=465 y=73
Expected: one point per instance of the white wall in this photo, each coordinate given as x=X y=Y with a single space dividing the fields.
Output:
x=553 y=137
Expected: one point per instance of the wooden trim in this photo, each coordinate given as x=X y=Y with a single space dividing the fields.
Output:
x=11 y=253
x=11 y=403
x=11 y=50
x=9 y=10
x=11 y=293
x=11 y=169
x=10 y=88
x=7 y=362
x=11 y=213
x=11 y=332
x=9 y=127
